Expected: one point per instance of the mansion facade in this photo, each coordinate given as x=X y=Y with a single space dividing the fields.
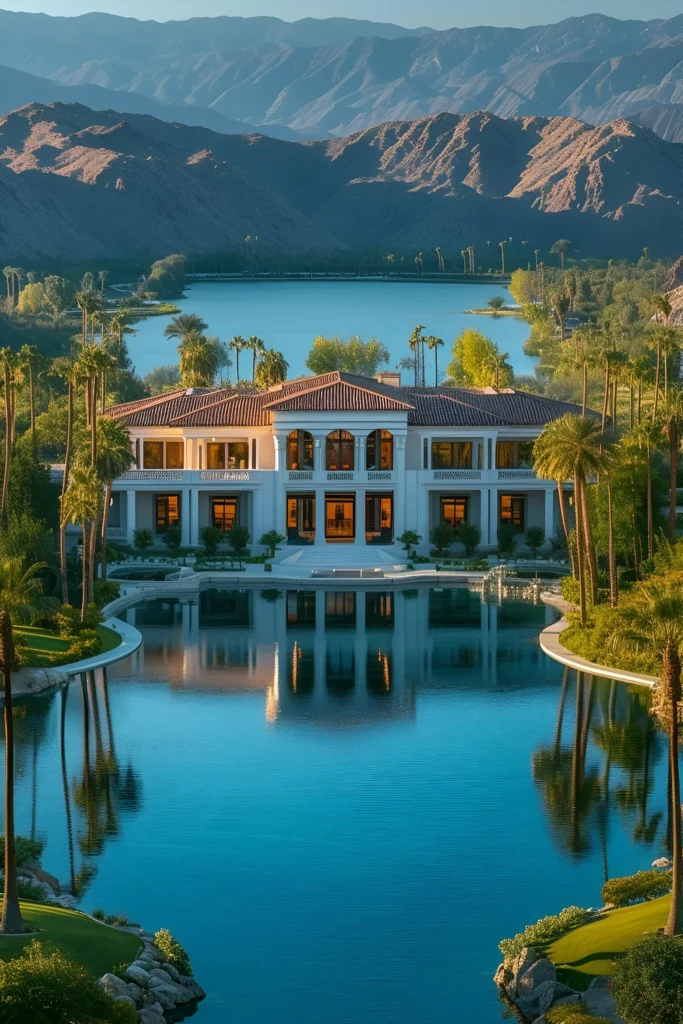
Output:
x=335 y=459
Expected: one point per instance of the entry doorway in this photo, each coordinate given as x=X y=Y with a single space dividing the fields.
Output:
x=300 y=519
x=340 y=518
x=379 y=519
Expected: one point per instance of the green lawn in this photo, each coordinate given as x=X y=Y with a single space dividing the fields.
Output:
x=94 y=945
x=588 y=951
x=48 y=644
x=109 y=637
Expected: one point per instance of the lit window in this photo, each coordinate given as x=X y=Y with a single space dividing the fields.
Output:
x=454 y=511
x=512 y=510
x=175 y=455
x=167 y=512
x=224 y=513
x=451 y=454
x=379 y=450
x=153 y=455
x=340 y=450
x=300 y=450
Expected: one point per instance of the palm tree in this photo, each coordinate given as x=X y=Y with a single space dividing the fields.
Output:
x=103 y=275
x=200 y=358
x=114 y=457
x=257 y=348
x=672 y=419
x=652 y=623
x=184 y=324
x=238 y=344
x=88 y=367
x=560 y=303
x=433 y=344
x=8 y=273
x=7 y=363
x=569 y=448
x=68 y=370
x=81 y=504
x=545 y=467
x=89 y=304
x=560 y=248
x=272 y=369
x=502 y=256
x=659 y=339
x=27 y=358
x=415 y=344
x=648 y=435
x=19 y=597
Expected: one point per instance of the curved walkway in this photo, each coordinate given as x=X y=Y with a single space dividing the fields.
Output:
x=32 y=681
x=549 y=641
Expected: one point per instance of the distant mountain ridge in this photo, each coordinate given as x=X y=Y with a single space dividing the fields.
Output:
x=330 y=77
x=77 y=184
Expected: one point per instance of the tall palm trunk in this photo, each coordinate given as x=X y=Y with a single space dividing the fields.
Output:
x=650 y=530
x=105 y=522
x=630 y=408
x=605 y=397
x=436 y=366
x=674 y=442
x=584 y=392
x=672 y=681
x=590 y=546
x=84 y=574
x=8 y=442
x=565 y=525
x=32 y=401
x=93 y=423
x=92 y=560
x=613 y=591
x=578 y=529
x=12 y=921
x=65 y=484
x=656 y=396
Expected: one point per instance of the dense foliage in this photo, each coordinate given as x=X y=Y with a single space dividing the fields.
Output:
x=544 y=931
x=44 y=986
x=648 y=981
x=352 y=356
x=173 y=951
x=645 y=885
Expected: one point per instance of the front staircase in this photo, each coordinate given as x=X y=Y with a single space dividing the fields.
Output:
x=341 y=556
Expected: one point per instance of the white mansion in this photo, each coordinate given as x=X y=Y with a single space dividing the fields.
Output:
x=335 y=459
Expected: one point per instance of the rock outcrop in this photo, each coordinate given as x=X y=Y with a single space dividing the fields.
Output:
x=153 y=986
x=530 y=983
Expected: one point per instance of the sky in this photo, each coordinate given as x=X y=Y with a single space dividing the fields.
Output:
x=437 y=14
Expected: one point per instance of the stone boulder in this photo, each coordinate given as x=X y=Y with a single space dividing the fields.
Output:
x=542 y=998
x=193 y=987
x=138 y=975
x=134 y=992
x=112 y=986
x=150 y=1016
x=518 y=968
x=125 y=999
x=541 y=971
x=165 y=996
x=173 y=972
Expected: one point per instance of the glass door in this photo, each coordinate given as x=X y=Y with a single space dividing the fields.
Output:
x=300 y=518
x=379 y=518
x=340 y=518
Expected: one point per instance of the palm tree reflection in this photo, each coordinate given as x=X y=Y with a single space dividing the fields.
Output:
x=580 y=790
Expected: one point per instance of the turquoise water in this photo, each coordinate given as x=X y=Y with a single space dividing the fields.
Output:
x=289 y=315
x=341 y=803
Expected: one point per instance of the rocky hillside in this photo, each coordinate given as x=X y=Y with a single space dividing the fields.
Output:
x=333 y=76
x=78 y=183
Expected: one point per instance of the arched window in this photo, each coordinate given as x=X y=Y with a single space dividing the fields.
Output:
x=379 y=451
x=340 y=450
x=300 y=450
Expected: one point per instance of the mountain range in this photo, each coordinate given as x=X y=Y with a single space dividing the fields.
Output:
x=331 y=77
x=79 y=184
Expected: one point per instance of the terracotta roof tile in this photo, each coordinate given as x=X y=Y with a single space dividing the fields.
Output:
x=340 y=395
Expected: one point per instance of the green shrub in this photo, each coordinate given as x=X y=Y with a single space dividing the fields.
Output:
x=592 y=641
x=98 y=914
x=442 y=537
x=469 y=536
x=409 y=540
x=106 y=591
x=46 y=987
x=26 y=849
x=173 y=539
x=142 y=539
x=507 y=540
x=648 y=981
x=237 y=538
x=645 y=885
x=534 y=538
x=570 y=589
x=267 y=567
x=544 y=931
x=174 y=953
x=210 y=537
x=574 y=1013
x=271 y=540
x=68 y=621
x=86 y=645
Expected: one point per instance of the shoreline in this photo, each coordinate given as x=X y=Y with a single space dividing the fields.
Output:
x=550 y=644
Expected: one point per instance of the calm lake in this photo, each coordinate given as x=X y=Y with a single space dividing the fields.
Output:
x=340 y=802
x=289 y=315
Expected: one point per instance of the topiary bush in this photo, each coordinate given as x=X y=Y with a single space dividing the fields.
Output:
x=86 y=645
x=645 y=885
x=174 y=953
x=46 y=987
x=648 y=981
x=546 y=930
x=507 y=540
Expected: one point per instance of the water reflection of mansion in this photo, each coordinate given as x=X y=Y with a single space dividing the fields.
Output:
x=338 y=656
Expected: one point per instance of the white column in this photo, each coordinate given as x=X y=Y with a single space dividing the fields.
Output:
x=185 y=517
x=280 y=482
x=319 y=450
x=422 y=524
x=130 y=515
x=484 y=525
x=194 y=518
x=360 y=518
x=257 y=515
x=400 y=487
x=320 y=517
x=549 y=513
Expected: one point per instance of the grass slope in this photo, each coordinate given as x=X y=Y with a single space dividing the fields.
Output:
x=48 y=644
x=588 y=951
x=92 y=944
